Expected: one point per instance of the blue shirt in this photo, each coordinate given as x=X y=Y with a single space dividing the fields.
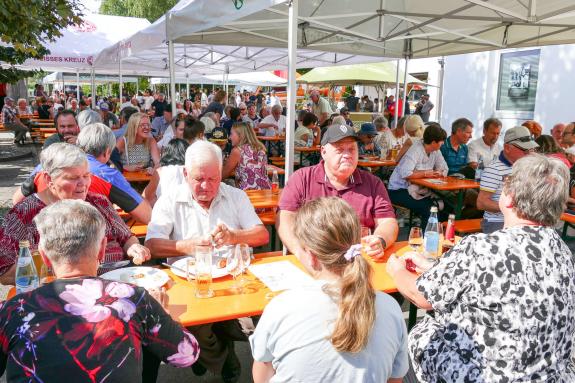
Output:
x=159 y=126
x=455 y=159
x=120 y=132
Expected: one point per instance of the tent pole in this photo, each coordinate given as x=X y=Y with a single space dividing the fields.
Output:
x=93 y=88
x=187 y=86
x=291 y=88
x=440 y=94
x=172 y=76
x=121 y=80
x=78 y=85
x=396 y=91
x=405 y=84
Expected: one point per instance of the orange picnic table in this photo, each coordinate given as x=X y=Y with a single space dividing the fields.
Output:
x=263 y=199
x=376 y=163
x=137 y=176
x=448 y=184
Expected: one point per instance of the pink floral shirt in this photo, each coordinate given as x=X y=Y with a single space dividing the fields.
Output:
x=88 y=330
x=251 y=172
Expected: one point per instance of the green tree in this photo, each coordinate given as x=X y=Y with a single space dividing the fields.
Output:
x=148 y=9
x=26 y=26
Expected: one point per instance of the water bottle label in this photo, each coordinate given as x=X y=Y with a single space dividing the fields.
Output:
x=24 y=261
x=431 y=242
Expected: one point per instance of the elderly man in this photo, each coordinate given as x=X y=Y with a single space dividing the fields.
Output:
x=424 y=107
x=12 y=122
x=161 y=124
x=108 y=117
x=66 y=127
x=320 y=107
x=273 y=124
x=200 y=212
x=568 y=136
x=159 y=105
x=454 y=149
x=517 y=144
x=337 y=175
x=485 y=148
x=557 y=133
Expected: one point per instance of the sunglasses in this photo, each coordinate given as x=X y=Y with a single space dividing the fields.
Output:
x=522 y=139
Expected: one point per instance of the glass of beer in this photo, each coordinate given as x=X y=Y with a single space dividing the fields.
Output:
x=203 y=268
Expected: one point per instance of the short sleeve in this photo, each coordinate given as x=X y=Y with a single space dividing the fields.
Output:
x=401 y=361
x=490 y=179
x=382 y=205
x=247 y=214
x=440 y=163
x=408 y=163
x=261 y=340
x=472 y=153
x=161 y=224
x=292 y=195
x=452 y=275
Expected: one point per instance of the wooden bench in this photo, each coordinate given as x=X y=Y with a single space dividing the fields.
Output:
x=568 y=221
x=466 y=226
x=268 y=218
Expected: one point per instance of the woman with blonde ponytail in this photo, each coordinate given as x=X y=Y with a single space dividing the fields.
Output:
x=336 y=328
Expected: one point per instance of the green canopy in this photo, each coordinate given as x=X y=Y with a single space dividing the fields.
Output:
x=357 y=74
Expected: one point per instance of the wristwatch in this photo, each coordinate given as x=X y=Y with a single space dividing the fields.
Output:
x=383 y=243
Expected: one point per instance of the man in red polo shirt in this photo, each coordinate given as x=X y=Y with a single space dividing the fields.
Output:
x=337 y=175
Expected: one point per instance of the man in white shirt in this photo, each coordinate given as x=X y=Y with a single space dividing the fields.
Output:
x=320 y=107
x=485 y=147
x=148 y=100
x=274 y=100
x=198 y=213
x=273 y=124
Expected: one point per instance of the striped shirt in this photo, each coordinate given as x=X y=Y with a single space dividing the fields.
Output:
x=492 y=182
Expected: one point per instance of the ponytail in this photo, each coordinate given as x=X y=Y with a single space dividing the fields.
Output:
x=336 y=228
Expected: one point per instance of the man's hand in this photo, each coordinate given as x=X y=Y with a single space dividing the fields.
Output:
x=371 y=245
x=188 y=246
x=139 y=253
x=222 y=235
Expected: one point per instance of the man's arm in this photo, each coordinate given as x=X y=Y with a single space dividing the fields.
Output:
x=143 y=212
x=484 y=202
x=162 y=248
x=386 y=228
x=262 y=372
x=285 y=223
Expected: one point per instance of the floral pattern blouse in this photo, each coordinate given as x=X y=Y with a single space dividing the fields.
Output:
x=504 y=310
x=88 y=330
x=19 y=225
x=251 y=171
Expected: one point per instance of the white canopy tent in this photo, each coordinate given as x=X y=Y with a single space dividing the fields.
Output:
x=238 y=79
x=84 y=79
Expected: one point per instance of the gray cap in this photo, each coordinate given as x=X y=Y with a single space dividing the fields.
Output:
x=8 y=99
x=520 y=136
x=337 y=132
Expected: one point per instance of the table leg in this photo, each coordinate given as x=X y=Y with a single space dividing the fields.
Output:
x=301 y=159
x=459 y=206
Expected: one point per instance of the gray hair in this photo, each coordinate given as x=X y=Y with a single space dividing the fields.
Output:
x=338 y=120
x=88 y=117
x=277 y=107
x=380 y=123
x=539 y=186
x=203 y=152
x=95 y=139
x=70 y=230
x=56 y=157
x=414 y=125
x=208 y=122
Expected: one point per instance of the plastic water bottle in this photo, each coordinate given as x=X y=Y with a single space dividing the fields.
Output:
x=275 y=182
x=432 y=236
x=310 y=140
x=26 y=273
x=479 y=169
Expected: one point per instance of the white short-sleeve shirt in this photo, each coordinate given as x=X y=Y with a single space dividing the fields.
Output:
x=479 y=148
x=281 y=124
x=293 y=334
x=176 y=215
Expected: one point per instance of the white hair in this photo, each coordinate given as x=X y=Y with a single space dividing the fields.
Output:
x=88 y=117
x=277 y=107
x=203 y=152
x=70 y=230
x=56 y=157
x=95 y=139
x=208 y=122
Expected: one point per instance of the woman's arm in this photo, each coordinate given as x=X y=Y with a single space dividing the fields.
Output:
x=405 y=282
x=424 y=174
x=262 y=372
x=317 y=135
x=150 y=190
x=231 y=163
x=155 y=153
x=406 y=145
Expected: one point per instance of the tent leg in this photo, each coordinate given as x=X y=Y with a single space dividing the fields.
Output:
x=93 y=88
x=440 y=93
x=121 y=80
x=172 y=76
x=396 y=91
x=78 y=85
x=405 y=85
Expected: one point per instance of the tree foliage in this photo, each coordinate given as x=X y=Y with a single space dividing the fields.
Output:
x=148 y=9
x=26 y=26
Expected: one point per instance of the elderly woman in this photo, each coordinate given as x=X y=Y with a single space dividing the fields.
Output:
x=138 y=148
x=22 y=107
x=68 y=177
x=336 y=328
x=79 y=325
x=414 y=127
x=504 y=302
x=247 y=160
x=171 y=170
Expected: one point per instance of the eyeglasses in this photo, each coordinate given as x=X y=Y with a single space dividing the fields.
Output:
x=523 y=150
x=522 y=139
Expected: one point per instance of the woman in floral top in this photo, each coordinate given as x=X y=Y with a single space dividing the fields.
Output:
x=504 y=302
x=81 y=327
x=247 y=160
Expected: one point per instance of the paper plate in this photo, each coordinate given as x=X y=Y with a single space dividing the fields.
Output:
x=147 y=277
x=217 y=272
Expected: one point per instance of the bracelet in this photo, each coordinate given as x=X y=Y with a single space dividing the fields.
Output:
x=383 y=243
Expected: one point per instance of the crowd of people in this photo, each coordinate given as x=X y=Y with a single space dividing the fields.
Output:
x=503 y=300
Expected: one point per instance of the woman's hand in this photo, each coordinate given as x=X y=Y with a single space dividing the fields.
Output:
x=150 y=170
x=133 y=168
x=394 y=264
x=139 y=253
x=421 y=263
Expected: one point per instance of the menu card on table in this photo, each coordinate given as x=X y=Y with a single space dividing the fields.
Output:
x=436 y=181
x=279 y=276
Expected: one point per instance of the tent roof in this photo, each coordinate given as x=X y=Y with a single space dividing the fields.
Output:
x=79 y=45
x=388 y=28
x=57 y=77
x=367 y=74
x=241 y=79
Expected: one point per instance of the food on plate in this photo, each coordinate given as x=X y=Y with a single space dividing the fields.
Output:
x=222 y=263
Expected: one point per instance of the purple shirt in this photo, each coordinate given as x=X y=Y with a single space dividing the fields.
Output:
x=365 y=193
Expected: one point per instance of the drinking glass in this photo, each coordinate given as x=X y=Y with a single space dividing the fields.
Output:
x=246 y=257
x=46 y=274
x=203 y=255
x=415 y=239
x=365 y=231
x=234 y=266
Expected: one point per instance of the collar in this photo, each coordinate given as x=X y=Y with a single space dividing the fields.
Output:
x=184 y=195
x=321 y=176
x=450 y=146
x=504 y=159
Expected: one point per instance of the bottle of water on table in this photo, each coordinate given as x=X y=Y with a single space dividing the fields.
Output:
x=432 y=236
x=479 y=170
x=26 y=273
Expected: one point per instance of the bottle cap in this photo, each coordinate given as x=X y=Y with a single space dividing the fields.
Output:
x=451 y=216
x=24 y=243
x=434 y=209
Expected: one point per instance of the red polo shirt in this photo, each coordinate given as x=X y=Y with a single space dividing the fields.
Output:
x=365 y=193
